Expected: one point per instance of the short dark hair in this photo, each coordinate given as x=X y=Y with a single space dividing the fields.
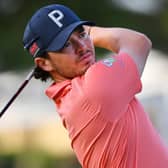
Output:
x=39 y=73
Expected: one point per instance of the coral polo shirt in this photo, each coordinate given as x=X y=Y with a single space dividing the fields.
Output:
x=107 y=125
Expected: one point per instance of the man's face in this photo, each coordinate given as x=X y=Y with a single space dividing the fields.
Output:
x=75 y=58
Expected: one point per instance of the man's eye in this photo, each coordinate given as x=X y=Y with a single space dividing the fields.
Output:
x=67 y=44
x=83 y=35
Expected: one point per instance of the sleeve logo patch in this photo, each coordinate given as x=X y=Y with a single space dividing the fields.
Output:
x=108 y=61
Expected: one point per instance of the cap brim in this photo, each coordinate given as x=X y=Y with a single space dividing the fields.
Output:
x=59 y=41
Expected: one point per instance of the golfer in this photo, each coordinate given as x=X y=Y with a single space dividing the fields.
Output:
x=96 y=100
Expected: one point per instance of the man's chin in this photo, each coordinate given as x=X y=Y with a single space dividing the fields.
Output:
x=83 y=71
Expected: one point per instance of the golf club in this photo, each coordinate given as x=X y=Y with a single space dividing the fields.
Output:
x=22 y=86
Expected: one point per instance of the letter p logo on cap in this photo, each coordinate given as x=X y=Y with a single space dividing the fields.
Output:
x=56 y=16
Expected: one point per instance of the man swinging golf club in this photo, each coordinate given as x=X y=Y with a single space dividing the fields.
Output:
x=96 y=100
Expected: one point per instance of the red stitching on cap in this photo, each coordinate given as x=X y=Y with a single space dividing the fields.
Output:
x=33 y=48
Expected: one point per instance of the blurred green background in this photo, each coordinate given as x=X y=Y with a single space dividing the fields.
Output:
x=147 y=16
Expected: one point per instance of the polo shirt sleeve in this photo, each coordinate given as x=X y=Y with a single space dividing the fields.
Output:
x=113 y=82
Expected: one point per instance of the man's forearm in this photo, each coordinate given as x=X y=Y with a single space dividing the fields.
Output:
x=115 y=39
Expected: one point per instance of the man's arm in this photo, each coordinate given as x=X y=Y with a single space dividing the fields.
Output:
x=117 y=40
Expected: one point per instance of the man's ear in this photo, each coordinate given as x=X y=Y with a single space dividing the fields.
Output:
x=43 y=63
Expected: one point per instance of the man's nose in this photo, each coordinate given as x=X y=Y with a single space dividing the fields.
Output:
x=81 y=46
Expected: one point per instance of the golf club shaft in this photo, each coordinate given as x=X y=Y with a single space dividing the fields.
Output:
x=28 y=78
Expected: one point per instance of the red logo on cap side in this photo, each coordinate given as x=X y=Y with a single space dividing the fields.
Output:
x=33 y=49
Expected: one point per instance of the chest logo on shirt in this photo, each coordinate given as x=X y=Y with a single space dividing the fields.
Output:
x=108 y=61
